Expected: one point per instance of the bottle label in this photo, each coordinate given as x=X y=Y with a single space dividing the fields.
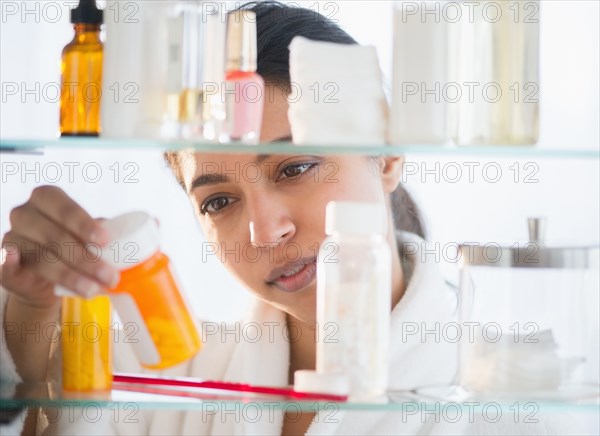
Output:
x=143 y=345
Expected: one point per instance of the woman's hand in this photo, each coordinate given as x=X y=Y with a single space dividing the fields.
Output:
x=53 y=241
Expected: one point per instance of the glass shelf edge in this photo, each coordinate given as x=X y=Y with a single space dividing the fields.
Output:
x=151 y=398
x=33 y=145
x=406 y=406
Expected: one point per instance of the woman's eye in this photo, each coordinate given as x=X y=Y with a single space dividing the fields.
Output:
x=296 y=170
x=215 y=205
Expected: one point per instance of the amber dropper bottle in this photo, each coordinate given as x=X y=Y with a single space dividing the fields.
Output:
x=82 y=73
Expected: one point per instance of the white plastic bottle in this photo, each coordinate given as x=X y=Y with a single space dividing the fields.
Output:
x=354 y=282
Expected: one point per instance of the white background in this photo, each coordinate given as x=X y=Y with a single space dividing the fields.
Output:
x=566 y=191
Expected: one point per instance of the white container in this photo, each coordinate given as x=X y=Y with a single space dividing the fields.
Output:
x=420 y=76
x=337 y=96
x=354 y=298
x=135 y=68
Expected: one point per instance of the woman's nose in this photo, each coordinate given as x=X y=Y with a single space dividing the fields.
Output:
x=270 y=224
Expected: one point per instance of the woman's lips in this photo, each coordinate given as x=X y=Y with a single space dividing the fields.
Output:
x=299 y=280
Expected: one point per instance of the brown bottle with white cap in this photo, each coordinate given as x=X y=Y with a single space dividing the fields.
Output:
x=244 y=88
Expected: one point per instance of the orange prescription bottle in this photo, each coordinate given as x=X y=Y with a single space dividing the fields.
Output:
x=86 y=343
x=148 y=295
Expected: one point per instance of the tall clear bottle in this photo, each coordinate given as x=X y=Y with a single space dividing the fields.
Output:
x=142 y=50
x=81 y=70
x=354 y=298
x=185 y=28
x=213 y=52
x=497 y=64
x=419 y=111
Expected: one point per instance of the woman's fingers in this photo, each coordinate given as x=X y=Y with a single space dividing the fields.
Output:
x=23 y=283
x=54 y=242
x=57 y=244
x=37 y=272
x=60 y=208
x=9 y=262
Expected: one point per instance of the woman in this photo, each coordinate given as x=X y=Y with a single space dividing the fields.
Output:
x=286 y=206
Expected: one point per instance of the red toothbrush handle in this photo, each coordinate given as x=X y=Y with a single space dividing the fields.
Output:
x=237 y=387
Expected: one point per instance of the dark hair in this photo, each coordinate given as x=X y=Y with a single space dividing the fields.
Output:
x=276 y=25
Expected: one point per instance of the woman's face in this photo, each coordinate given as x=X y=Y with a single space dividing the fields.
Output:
x=264 y=215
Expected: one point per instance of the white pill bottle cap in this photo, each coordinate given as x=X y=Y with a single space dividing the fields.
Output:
x=134 y=238
x=355 y=218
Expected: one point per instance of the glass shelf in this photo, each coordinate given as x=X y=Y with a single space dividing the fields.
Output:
x=157 y=398
x=32 y=145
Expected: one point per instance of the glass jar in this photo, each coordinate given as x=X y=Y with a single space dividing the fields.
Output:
x=526 y=320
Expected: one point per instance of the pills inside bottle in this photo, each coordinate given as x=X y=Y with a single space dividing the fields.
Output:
x=86 y=342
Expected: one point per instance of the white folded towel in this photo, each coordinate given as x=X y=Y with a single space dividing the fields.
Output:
x=337 y=94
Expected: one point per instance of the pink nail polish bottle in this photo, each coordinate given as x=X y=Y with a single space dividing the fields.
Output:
x=244 y=88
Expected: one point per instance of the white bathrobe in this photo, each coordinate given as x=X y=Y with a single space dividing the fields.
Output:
x=416 y=361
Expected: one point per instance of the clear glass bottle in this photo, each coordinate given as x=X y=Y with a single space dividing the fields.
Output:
x=191 y=110
x=137 y=63
x=354 y=298
x=81 y=68
x=244 y=88
x=497 y=68
x=148 y=294
x=171 y=127
x=213 y=51
x=184 y=112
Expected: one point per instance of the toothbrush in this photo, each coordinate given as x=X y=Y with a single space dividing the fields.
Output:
x=228 y=386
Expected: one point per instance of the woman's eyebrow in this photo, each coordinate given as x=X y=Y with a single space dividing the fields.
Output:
x=283 y=139
x=208 y=179
x=216 y=178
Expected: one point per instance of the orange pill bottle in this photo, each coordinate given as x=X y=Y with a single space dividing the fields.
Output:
x=148 y=298
x=86 y=343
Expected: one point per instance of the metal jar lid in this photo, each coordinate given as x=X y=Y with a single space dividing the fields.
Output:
x=532 y=254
